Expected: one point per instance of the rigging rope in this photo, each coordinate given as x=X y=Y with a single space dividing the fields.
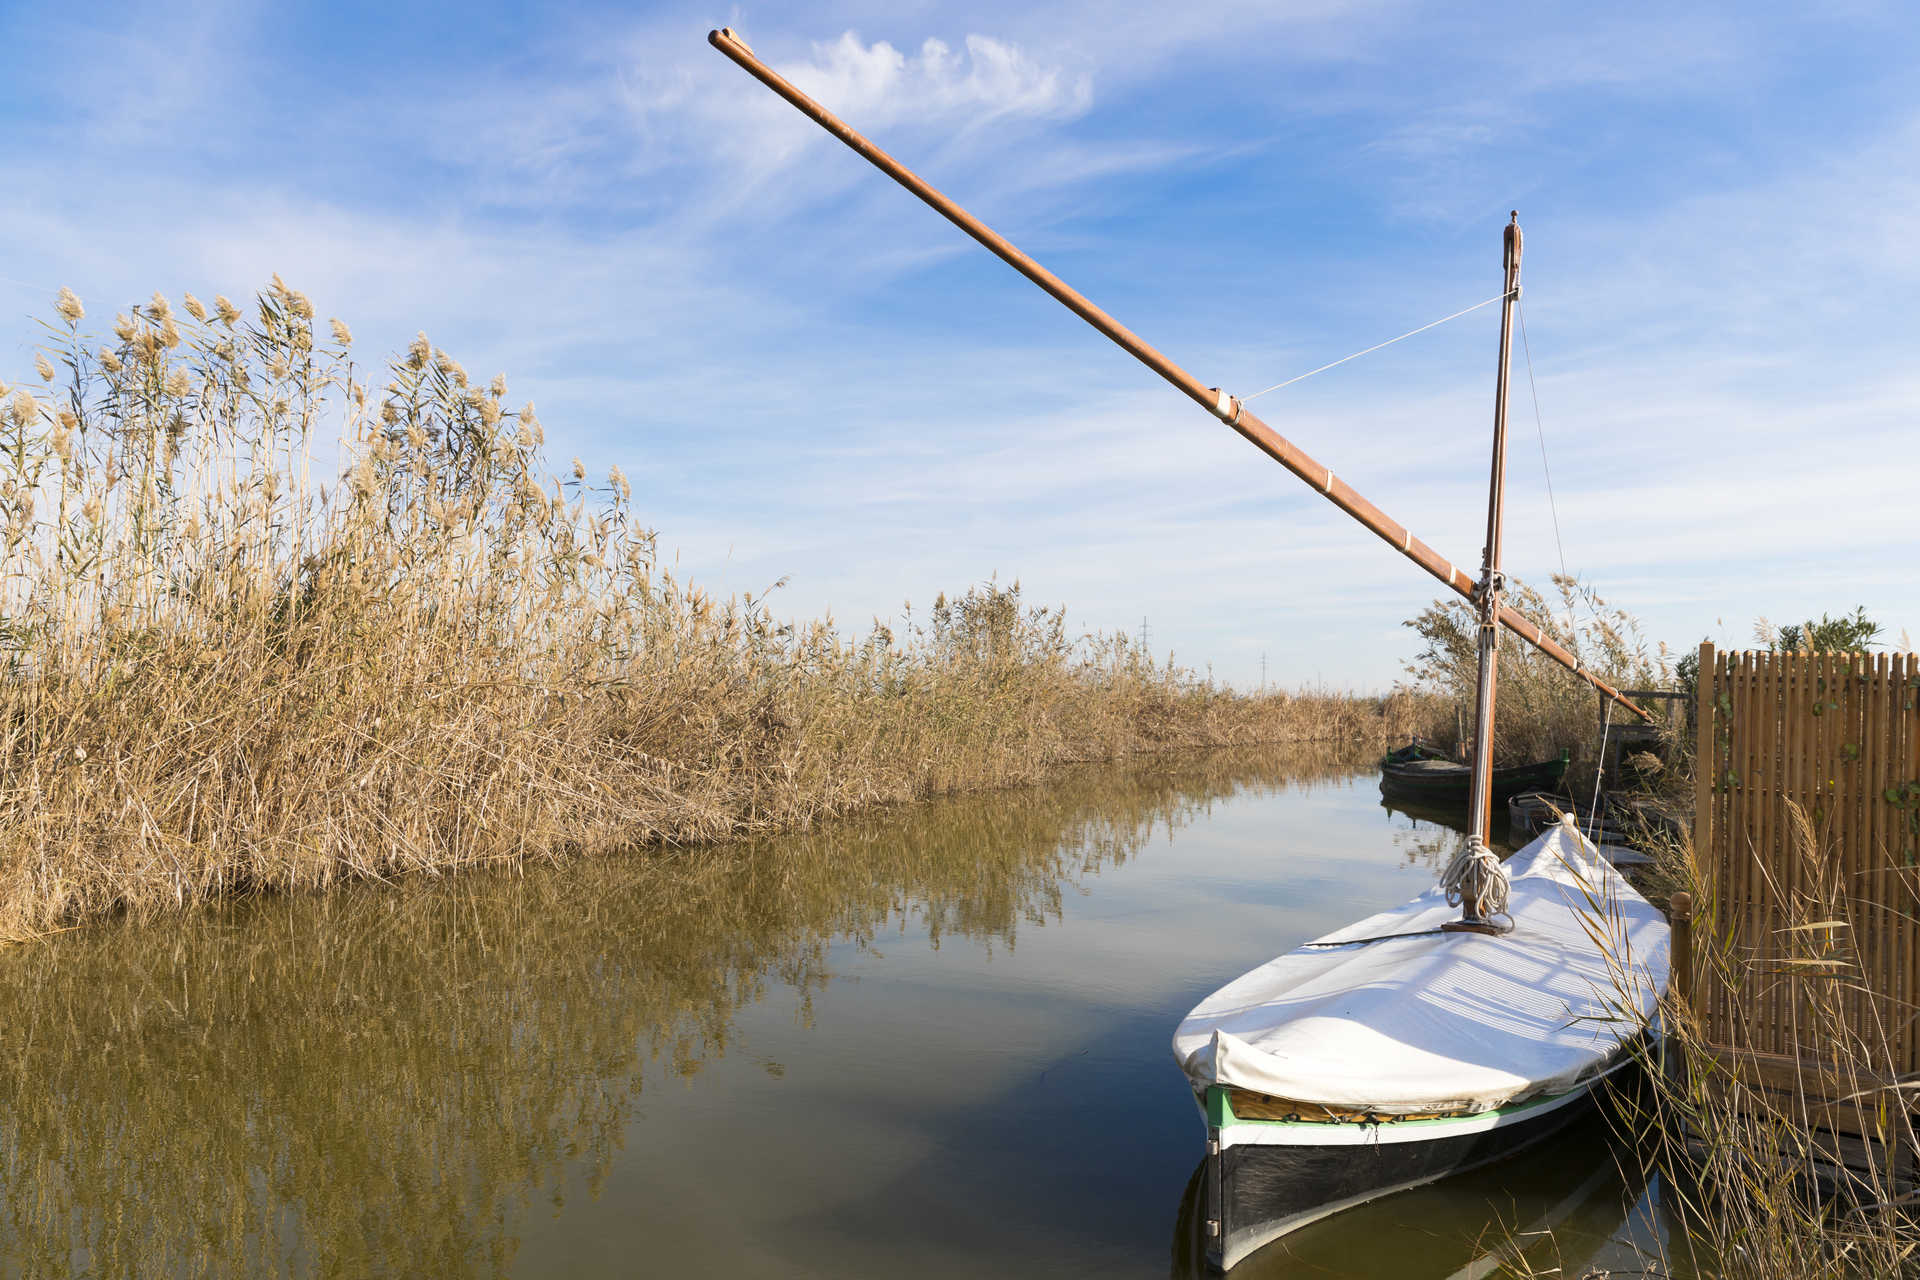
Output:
x=1375 y=347
x=1593 y=810
x=1540 y=427
x=1476 y=876
x=1553 y=508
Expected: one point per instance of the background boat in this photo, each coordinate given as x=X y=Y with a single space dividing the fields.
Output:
x=1419 y=771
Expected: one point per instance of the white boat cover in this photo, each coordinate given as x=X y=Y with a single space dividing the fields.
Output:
x=1446 y=1022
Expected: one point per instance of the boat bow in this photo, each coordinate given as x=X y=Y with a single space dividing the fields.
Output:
x=1391 y=1016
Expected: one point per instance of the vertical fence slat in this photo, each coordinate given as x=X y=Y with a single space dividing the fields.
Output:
x=1750 y=857
x=1857 y=870
x=1872 y=831
x=1905 y=768
x=1727 y=831
x=1704 y=712
x=1773 y=856
x=1858 y=878
x=1815 y=860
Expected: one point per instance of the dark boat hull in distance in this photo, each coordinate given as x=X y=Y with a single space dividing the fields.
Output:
x=1265 y=1179
x=1431 y=777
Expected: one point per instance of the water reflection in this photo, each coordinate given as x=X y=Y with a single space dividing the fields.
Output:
x=1430 y=834
x=406 y=1079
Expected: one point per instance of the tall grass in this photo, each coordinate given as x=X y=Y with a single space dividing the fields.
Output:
x=265 y=624
x=1797 y=1167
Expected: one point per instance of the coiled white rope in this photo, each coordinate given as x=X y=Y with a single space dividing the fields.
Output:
x=1476 y=876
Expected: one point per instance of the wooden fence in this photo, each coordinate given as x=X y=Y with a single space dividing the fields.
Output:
x=1834 y=739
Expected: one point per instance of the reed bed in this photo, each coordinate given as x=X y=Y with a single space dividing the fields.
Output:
x=266 y=624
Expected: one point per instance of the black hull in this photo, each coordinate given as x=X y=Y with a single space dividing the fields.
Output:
x=1258 y=1193
x=1423 y=781
x=1566 y=1197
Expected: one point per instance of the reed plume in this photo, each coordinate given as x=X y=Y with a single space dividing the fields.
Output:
x=266 y=624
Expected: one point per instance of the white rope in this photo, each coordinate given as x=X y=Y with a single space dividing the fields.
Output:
x=1553 y=508
x=1540 y=427
x=1375 y=347
x=1593 y=810
x=1476 y=876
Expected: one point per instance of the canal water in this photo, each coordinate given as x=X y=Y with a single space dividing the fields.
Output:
x=929 y=1043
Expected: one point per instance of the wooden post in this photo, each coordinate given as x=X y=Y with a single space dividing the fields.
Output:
x=1680 y=993
x=1680 y=915
x=1706 y=761
x=1703 y=756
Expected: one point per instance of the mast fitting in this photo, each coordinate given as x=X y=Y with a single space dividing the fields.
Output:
x=1225 y=407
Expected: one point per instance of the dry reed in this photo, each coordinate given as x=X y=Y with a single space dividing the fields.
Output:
x=1758 y=1179
x=266 y=625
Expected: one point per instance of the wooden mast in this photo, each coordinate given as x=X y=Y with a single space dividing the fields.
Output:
x=1227 y=408
x=1492 y=584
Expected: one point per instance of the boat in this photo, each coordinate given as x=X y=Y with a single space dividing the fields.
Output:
x=1441 y=1035
x=1531 y=812
x=1394 y=1052
x=1423 y=772
x=1629 y=820
x=1416 y=1042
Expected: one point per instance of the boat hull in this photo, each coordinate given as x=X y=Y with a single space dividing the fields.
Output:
x=1432 y=781
x=1266 y=1178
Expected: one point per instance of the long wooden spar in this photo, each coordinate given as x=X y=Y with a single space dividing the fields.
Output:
x=1215 y=401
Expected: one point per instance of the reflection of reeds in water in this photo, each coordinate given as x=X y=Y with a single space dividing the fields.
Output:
x=233 y=662
x=386 y=1080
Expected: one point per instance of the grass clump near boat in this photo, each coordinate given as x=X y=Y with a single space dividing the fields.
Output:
x=1800 y=1165
x=268 y=625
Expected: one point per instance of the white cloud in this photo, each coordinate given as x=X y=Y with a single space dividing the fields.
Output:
x=882 y=86
x=698 y=285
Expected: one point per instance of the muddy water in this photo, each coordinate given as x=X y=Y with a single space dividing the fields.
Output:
x=933 y=1043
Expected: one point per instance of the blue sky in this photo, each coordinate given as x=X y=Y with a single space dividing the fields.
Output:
x=808 y=375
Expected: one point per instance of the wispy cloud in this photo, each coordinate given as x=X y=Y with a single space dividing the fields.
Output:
x=808 y=374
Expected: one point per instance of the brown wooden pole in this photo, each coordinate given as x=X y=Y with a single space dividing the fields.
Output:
x=1680 y=990
x=1480 y=802
x=1680 y=976
x=1227 y=408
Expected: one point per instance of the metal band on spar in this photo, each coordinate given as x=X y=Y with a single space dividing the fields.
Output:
x=1215 y=401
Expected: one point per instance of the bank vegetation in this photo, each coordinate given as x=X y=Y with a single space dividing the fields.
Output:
x=266 y=625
